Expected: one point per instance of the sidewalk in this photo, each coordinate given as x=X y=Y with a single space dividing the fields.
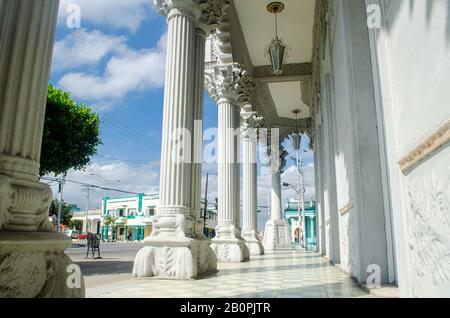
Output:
x=284 y=274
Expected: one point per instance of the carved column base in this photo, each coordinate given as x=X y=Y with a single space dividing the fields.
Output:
x=230 y=251
x=182 y=258
x=228 y=244
x=253 y=243
x=276 y=235
x=33 y=264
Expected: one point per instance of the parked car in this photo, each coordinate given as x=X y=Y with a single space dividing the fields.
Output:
x=74 y=234
x=82 y=236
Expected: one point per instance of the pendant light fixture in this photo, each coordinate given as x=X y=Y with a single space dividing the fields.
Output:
x=295 y=137
x=277 y=50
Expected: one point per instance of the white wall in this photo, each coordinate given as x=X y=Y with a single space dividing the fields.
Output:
x=412 y=57
x=352 y=182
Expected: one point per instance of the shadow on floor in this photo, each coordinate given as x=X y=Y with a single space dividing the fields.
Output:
x=334 y=290
x=89 y=268
x=266 y=268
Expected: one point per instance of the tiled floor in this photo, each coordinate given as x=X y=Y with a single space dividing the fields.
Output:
x=284 y=274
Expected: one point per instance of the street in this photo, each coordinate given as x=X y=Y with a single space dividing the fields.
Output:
x=116 y=262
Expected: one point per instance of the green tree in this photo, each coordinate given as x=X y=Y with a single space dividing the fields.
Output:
x=110 y=221
x=71 y=134
x=66 y=215
x=76 y=224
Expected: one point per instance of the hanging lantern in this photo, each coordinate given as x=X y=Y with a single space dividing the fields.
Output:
x=277 y=49
x=296 y=140
x=277 y=55
x=296 y=137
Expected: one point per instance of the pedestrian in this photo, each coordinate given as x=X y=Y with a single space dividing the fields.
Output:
x=129 y=236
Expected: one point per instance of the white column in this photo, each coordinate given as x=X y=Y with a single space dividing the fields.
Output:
x=276 y=233
x=237 y=168
x=275 y=195
x=197 y=136
x=222 y=81
x=176 y=249
x=249 y=200
x=33 y=263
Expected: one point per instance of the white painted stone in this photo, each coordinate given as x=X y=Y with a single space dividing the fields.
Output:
x=276 y=233
x=32 y=259
x=177 y=247
x=249 y=200
x=227 y=84
x=413 y=104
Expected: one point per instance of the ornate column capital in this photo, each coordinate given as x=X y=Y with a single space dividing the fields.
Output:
x=245 y=88
x=211 y=12
x=206 y=12
x=230 y=81
x=170 y=8
x=248 y=124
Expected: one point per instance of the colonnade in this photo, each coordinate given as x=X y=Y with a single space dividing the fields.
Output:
x=32 y=254
x=177 y=248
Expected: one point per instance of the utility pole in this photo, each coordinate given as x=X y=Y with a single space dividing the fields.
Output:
x=206 y=203
x=62 y=180
x=298 y=196
x=88 y=189
x=302 y=191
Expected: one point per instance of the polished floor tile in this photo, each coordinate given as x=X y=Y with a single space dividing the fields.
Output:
x=282 y=274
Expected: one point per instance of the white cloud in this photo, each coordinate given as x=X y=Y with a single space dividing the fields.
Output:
x=119 y=14
x=127 y=71
x=142 y=178
x=85 y=48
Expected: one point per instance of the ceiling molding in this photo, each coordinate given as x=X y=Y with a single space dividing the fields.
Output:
x=291 y=73
x=266 y=107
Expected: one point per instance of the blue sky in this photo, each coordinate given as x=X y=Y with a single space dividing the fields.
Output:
x=115 y=63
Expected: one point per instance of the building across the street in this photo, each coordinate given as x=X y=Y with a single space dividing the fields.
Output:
x=291 y=216
x=133 y=217
x=94 y=218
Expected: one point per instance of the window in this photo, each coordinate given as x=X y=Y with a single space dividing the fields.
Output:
x=131 y=212
x=149 y=212
x=121 y=212
x=112 y=213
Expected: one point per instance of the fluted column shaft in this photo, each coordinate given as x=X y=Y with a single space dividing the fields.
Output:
x=249 y=199
x=27 y=35
x=237 y=167
x=197 y=136
x=32 y=255
x=227 y=166
x=275 y=212
x=224 y=82
x=179 y=110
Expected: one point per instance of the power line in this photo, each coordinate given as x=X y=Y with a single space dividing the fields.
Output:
x=92 y=186
x=130 y=160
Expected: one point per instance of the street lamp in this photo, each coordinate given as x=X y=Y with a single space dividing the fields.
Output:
x=298 y=206
x=296 y=142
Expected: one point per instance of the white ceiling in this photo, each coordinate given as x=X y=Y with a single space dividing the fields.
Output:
x=295 y=27
x=287 y=96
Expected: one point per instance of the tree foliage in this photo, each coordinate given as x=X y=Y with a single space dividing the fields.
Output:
x=71 y=134
x=66 y=215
